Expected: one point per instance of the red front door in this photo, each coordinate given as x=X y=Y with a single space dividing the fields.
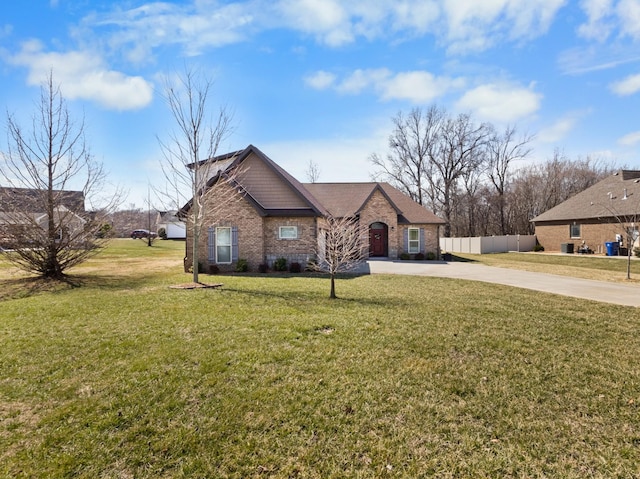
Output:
x=378 y=240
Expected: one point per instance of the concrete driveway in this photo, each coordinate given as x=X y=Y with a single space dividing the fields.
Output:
x=616 y=293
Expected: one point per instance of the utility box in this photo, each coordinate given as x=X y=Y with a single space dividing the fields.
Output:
x=566 y=248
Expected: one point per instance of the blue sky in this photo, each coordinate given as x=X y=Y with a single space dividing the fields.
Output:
x=319 y=80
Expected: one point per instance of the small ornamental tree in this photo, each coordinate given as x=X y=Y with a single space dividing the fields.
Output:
x=342 y=246
x=193 y=180
x=49 y=177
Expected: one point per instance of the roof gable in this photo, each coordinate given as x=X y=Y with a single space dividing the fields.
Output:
x=34 y=201
x=615 y=196
x=348 y=199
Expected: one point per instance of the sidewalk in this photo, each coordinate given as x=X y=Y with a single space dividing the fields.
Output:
x=603 y=291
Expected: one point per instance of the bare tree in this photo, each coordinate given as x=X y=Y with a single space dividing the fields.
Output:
x=460 y=148
x=313 y=172
x=407 y=163
x=50 y=174
x=189 y=167
x=342 y=246
x=503 y=149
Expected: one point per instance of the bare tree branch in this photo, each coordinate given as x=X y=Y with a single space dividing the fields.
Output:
x=188 y=154
x=342 y=246
x=44 y=222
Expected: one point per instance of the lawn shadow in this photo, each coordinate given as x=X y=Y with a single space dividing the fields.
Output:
x=460 y=259
x=33 y=285
x=316 y=294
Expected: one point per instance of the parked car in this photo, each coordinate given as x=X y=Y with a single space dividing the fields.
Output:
x=136 y=234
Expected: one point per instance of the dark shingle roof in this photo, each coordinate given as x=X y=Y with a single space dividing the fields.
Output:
x=347 y=199
x=336 y=199
x=32 y=201
x=615 y=196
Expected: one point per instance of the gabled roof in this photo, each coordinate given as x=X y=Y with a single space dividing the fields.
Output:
x=348 y=199
x=307 y=204
x=30 y=200
x=312 y=199
x=617 y=195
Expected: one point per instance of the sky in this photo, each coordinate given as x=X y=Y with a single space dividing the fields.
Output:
x=318 y=81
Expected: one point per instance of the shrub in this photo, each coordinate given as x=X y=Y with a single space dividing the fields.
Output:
x=419 y=256
x=431 y=256
x=263 y=267
x=280 y=264
x=636 y=251
x=213 y=269
x=295 y=267
x=242 y=266
x=312 y=265
x=538 y=247
x=405 y=256
x=162 y=233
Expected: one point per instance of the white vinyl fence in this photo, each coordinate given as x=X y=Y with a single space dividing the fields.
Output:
x=488 y=244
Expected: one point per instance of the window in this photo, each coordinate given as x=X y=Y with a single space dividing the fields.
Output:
x=223 y=245
x=414 y=240
x=574 y=231
x=288 y=232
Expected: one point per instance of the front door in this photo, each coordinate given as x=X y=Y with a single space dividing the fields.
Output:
x=378 y=240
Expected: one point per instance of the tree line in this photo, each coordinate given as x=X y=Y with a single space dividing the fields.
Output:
x=473 y=176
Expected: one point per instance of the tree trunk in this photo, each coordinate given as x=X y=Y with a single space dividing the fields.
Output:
x=332 y=294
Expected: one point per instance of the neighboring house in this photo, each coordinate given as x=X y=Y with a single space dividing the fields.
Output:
x=603 y=213
x=22 y=211
x=173 y=226
x=276 y=216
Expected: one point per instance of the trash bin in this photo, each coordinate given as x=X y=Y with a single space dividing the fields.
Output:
x=566 y=248
x=612 y=248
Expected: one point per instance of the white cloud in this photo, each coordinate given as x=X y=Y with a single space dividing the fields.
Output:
x=417 y=86
x=414 y=86
x=459 y=25
x=360 y=80
x=137 y=32
x=326 y=19
x=604 y=17
x=629 y=13
x=476 y=26
x=630 y=139
x=320 y=80
x=599 y=24
x=626 y=86
x=84 y=75
x=500 y=102
x=558 y=130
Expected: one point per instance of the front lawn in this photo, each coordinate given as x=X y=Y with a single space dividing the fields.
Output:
x=596 y=267
x=124 y=377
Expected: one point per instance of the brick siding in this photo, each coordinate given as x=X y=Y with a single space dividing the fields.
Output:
x=594 y=235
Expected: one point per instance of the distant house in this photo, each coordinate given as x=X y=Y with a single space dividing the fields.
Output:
x=603 y=213
x=173 y=226
x=279 y=217
x=23 y=214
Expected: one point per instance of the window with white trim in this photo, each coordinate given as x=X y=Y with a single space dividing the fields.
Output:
x=223 y=245
x=288 y=232
x=574 y=230
x=414 y=240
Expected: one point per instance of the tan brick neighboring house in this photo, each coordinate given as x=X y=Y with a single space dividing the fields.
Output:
x=23 y=214
x=603 y=213
x=276 y=216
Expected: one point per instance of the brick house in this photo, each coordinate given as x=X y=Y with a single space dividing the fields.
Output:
x=275 y=216
x=605 y=212
x=23 y=215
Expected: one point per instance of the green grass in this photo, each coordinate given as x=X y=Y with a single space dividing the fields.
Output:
x=266 y=377
x=580 y=266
